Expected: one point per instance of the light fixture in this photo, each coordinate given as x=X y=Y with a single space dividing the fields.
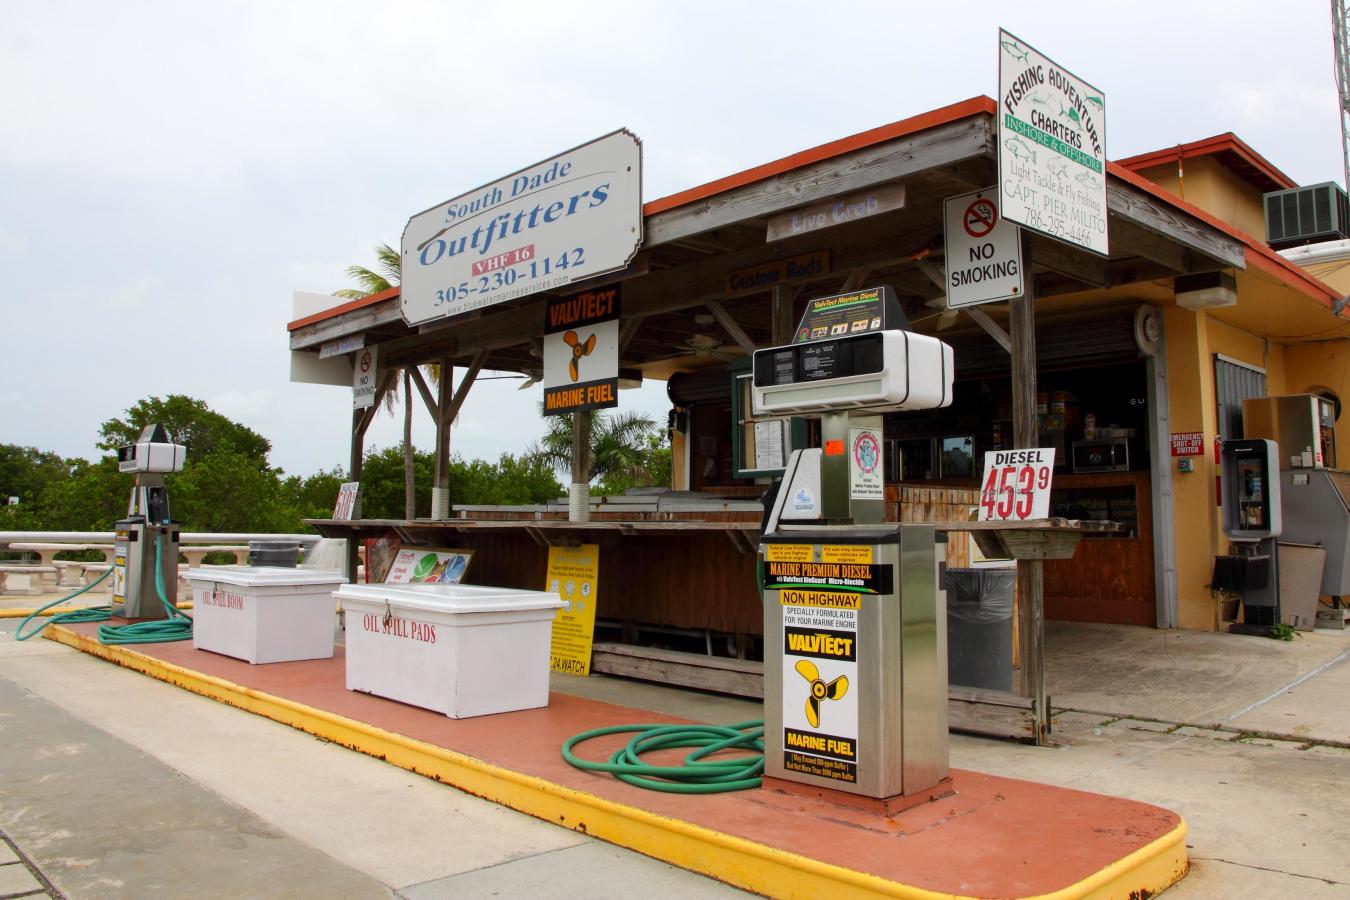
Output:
x=1208 y=290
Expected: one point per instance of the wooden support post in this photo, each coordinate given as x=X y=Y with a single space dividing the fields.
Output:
x=579 y=509
x=440 y=482
x=354 y=474
x=781 y=323
x=1026 y=434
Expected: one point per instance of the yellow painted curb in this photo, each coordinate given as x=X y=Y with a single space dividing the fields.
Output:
x=727 y=858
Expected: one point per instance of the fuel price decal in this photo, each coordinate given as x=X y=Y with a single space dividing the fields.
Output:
x=1016 y=485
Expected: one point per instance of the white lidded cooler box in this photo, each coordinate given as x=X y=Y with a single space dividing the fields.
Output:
x=263 y=614
x=464 y=650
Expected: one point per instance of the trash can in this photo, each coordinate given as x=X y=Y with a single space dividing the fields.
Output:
x=264 y=615
x=463 y=650
x=980 y=627
x=276 y=554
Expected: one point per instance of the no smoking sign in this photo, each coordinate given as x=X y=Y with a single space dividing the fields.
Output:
x=981 y=217
x=983 y=256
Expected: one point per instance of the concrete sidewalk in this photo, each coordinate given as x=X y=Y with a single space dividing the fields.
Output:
x=268 y=811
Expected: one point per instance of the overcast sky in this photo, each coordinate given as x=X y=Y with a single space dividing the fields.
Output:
x=170 y=172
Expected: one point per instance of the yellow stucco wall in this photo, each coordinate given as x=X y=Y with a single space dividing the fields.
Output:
x=1313 y=368
x=1212 y=187
x=1190 y=377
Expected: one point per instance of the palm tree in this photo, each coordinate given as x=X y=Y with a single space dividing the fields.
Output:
x=618 y=444
x=373 y=282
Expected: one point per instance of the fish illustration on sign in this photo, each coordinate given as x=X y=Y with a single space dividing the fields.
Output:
x=1018 y=148
x=1071 y=114
x=1058 y=168
x=1040 y=100
x=1086 y=179
x=1097 y=102
x=1015 y=50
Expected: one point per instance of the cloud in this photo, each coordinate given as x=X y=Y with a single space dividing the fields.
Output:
x=135 y=294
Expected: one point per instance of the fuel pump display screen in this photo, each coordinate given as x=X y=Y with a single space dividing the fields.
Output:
x=820 y=360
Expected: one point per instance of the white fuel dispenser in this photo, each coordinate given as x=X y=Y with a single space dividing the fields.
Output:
x=148 y=533
x=855 y=669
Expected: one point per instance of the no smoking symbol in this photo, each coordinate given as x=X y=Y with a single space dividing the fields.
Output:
x=365 y=361
x=980 y=218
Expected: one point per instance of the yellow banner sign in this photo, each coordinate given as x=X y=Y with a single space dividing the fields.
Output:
x=788 y=552
x=846 y=553
x=574 y=575
x=833 y=599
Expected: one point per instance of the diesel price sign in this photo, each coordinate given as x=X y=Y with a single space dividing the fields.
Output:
x=567 y=218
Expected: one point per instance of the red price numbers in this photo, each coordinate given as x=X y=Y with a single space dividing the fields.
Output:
x=1009 y=492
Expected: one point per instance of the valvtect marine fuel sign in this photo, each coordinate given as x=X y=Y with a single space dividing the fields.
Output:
x=565 y=219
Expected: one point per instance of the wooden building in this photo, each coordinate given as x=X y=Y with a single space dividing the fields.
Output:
x=1121 y=362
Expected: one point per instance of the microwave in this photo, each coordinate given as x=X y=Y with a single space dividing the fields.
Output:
x=1111 y=455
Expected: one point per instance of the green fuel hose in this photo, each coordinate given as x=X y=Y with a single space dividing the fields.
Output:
x=91 y=614
x=177 y=627
x=697 y=775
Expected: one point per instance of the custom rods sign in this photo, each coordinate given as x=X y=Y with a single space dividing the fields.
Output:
x=1051 y=147
x=570 y=217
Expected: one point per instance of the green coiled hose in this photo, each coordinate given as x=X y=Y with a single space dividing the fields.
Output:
x=177 y=627
x=697 y=775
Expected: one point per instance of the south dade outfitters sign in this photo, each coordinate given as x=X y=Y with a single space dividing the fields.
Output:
x=571 y=217
x=581 y=352
x=1051 y=147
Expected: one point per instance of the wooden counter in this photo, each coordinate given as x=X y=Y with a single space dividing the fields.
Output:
x=1110 y=578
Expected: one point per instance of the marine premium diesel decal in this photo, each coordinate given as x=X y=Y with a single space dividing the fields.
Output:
x=858 y=578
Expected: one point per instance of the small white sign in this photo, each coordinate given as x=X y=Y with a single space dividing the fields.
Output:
x=866 y=477
x=346 y=501
x=363 y=377
x=983 y=252
x=570 y=217
x=769 y=445
x=1051 y=147
x=413 y=566
x=1016 y=485
x=341 y=346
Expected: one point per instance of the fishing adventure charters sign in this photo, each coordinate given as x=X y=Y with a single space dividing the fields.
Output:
x=574 y=216
x=1051 y=147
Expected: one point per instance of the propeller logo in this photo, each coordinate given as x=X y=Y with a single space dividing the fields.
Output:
x=579 y=349
x=820 y=690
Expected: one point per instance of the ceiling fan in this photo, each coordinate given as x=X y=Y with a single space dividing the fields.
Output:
x=707 y=345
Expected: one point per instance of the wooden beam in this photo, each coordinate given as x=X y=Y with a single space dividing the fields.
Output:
x=905 y=157
x=856 y=279
x=727 y=322
x=370 y=317
x=1129 y=239
x=934 y=274
x=1133 y=205
x=627 y=330
x=991 y=328
x=465 y=383
x=1058 y=256
x=441 y=457
x=427 y=398
x=781 y=319
x=368 y=414
x=1026 y=434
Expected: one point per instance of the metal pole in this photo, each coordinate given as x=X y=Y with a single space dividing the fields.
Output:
x=357 y=458
x=440 y=486
x=1026 y=434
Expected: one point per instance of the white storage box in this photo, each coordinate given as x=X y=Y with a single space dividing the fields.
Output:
x=464 y=650
x=262 y=614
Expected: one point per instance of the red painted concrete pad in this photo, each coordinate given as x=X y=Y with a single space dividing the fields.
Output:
x=997 y=837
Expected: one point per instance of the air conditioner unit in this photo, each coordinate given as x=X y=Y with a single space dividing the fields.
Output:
x=1307 y=215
